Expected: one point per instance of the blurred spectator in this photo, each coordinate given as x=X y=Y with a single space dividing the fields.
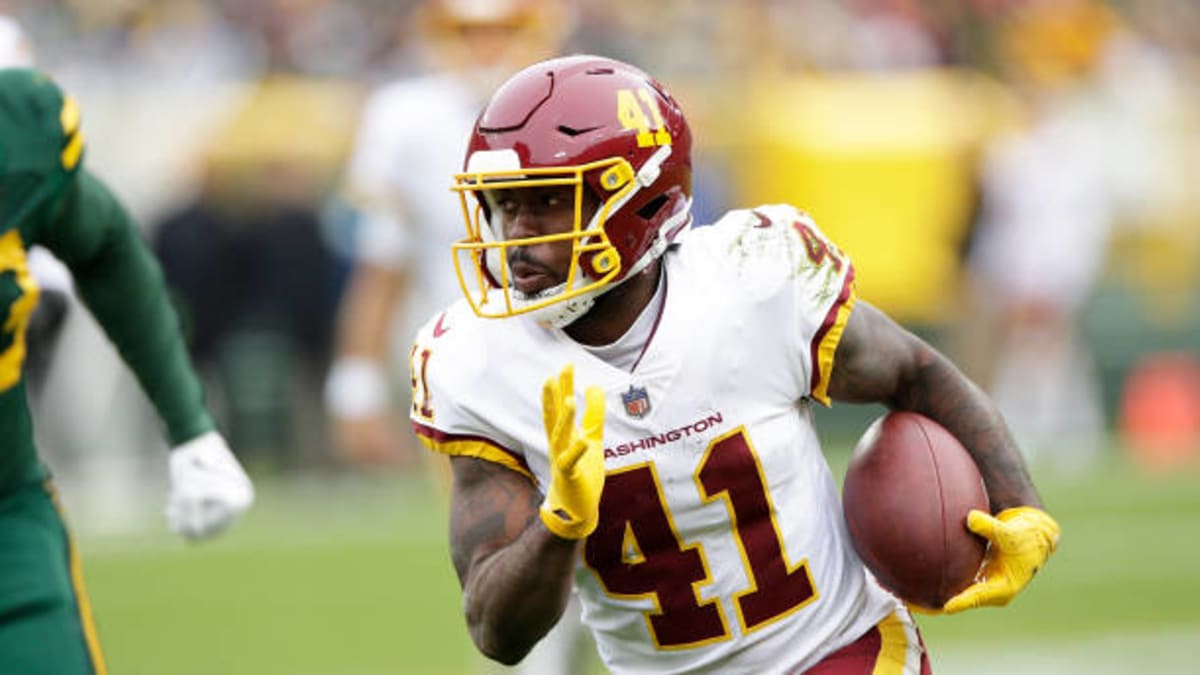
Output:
x=411 y=141
x=248 y=259
x=1148 y=81
x=1050 y=190
x=862 y=35
x=15 y=49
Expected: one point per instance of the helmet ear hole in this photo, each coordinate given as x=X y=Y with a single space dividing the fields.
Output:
x=650 y=208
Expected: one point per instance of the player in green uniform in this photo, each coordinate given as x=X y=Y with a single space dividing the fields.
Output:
x=48 y=198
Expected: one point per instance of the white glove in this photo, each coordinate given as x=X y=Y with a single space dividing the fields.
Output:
x=209 y=489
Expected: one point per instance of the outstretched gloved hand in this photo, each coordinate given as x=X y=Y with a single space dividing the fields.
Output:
x=208 y=487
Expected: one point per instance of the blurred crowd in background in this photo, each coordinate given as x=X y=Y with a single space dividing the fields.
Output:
x=1015 y=180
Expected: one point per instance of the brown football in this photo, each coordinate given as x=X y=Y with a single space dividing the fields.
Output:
x=907 y=492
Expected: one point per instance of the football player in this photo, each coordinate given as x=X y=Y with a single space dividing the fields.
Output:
x=688 y=503
x=48 y=198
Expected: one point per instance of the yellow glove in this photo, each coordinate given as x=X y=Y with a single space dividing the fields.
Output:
x=1022 y=539
x=572 y=506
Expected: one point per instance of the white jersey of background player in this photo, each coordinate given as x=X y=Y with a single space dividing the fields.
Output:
x=411 y=136
x=393 y=176
x=719 y=509
x=691 y=507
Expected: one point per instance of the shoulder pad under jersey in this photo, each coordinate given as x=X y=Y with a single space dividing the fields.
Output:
x=40 y=139
x=767 y=246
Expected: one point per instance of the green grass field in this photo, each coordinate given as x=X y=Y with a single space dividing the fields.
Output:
x=350 y=576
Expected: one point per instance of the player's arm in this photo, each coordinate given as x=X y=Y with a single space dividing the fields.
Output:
x=366 y=314
x=121 y=283
x=358 y=387
x=878 y=361
x=515 y=574
x=514 y=549
x=357 y=391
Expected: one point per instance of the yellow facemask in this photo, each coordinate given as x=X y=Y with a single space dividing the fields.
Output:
x=481 y=258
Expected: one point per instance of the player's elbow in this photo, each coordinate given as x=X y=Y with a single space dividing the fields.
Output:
x=505 y=626
x=501 y=646
x=507 y=658
x=497 y=636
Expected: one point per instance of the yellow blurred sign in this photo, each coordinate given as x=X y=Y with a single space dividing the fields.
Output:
x=884 y=163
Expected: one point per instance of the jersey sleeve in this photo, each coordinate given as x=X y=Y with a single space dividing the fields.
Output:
x=823 y=303
x=121 y=283
x=374 y=189
x=811 y=278
x=444 y=417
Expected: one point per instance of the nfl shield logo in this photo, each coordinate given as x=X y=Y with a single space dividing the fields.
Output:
x=637 y=402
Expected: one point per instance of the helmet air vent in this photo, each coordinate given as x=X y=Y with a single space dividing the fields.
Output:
x=572 y=132
x=515 y=103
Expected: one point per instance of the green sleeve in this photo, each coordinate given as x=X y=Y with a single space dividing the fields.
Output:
x=122 y=284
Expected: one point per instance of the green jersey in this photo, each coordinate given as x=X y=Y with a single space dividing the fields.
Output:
x=48 y=198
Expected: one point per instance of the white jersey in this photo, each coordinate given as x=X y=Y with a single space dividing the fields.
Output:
x=413 y=135
x=721 y=545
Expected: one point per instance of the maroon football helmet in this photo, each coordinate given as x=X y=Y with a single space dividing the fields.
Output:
x=597 y=124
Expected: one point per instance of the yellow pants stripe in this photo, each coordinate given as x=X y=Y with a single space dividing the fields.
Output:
x=900 y=649
x=90 y=636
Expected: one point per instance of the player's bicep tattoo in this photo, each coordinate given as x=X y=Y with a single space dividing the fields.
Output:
x=490 y=507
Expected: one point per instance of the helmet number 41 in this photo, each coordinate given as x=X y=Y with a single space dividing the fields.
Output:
x=633 y=116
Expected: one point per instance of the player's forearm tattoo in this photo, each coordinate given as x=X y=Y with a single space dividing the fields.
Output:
x=492 y=512
x=515 y=575
x=941 y=392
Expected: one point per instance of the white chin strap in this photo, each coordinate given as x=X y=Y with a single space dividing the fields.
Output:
x=562 y=314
